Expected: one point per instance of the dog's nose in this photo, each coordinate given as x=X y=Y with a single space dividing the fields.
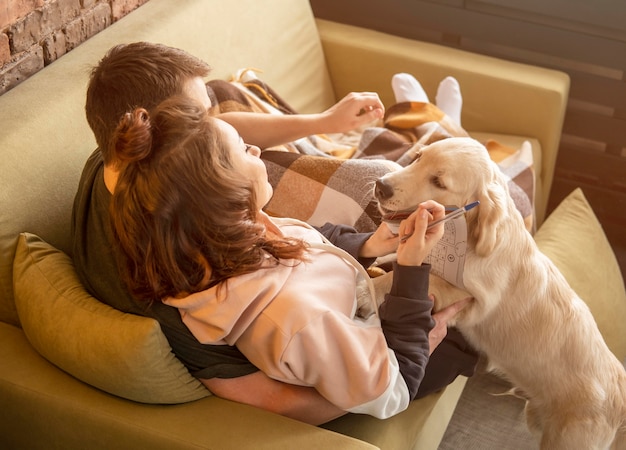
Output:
x=383 y=190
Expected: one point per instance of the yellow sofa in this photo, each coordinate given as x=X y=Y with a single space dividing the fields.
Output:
x=97 y=401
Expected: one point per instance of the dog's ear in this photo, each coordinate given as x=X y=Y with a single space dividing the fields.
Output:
x=488 y=215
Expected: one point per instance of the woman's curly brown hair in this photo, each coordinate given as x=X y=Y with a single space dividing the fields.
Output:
x=182 y=218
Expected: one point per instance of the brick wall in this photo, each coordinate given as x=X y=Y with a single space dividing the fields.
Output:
x=34 y=33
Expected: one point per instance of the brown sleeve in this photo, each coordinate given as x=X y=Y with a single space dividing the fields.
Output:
x=406 y=321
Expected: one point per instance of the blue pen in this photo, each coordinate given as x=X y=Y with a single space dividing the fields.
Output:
x=453 y=215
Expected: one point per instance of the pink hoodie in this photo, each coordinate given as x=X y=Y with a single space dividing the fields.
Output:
x=296 y=322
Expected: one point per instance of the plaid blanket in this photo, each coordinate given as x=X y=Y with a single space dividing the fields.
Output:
x=330 y=178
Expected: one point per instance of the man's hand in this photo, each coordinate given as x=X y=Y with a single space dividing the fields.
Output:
x=354 y=110
x=267 y=130
x=441 y=318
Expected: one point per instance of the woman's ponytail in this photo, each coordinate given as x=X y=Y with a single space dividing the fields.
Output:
x=132 y=140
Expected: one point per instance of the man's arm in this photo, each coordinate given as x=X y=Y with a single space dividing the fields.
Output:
x=268 y=130
x=257 y=389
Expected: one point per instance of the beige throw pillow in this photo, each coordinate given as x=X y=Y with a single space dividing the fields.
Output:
x=123 y=354
x=574 y=240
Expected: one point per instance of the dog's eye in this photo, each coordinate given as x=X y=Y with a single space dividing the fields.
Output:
x=438 y=182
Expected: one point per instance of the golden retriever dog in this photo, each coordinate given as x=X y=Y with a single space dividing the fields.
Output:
x=526 y=318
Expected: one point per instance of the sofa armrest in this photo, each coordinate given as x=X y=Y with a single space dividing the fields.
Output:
x=499 y=96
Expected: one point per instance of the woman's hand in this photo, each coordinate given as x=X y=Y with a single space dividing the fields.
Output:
x=354 y=110
x=416 y=240
x=381 y=243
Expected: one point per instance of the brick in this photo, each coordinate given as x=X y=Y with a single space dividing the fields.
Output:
x=82 y=28
x=87 y=4
x=13 y=10
x=26 y=64
x=53 y=47
x=103 y=12
x=67 y=9
x=97 y=19
x=5 y=49
x=40 y=23
x=56 y=13
x=74 y=34
x=119 y=8
x=25 y=32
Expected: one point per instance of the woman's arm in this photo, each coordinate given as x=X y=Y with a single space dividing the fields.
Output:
x=348 y=239
x=407 y=322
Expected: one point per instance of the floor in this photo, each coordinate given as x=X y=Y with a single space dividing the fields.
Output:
x=487 y=419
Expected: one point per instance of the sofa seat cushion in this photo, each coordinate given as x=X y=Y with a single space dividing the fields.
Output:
x=123 y=354
x=574 y=240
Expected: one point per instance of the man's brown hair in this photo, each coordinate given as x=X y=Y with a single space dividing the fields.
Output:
x=140 y=74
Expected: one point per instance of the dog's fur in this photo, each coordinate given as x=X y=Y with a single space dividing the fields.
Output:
x=527 y=320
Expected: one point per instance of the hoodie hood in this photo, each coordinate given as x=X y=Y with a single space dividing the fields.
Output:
x=326 y=280
x=233 y=304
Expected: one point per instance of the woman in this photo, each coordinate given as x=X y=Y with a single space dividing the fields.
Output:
x=187 y=217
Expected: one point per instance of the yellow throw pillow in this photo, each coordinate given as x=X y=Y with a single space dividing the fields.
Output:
x=574 y=240
x=122 y=354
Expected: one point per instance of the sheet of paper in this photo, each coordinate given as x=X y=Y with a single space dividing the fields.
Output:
x=447 y=258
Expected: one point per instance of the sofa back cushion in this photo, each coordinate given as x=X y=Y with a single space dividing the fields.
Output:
x=45 y=139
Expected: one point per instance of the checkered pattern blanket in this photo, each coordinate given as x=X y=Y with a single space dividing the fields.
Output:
x=330 y=178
